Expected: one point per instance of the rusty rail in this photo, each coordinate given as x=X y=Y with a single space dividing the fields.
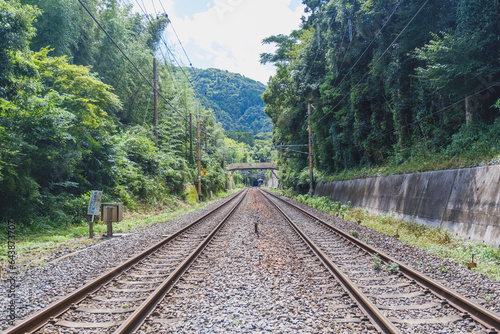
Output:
x=137 y=318
x=377 y=318
x=57 y=308
x=482 y=315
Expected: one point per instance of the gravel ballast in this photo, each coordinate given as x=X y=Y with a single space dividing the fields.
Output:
x=40 y=286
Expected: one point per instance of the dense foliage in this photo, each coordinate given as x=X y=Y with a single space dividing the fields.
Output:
x=235 y=99
x=76 y=116
x=387 y=80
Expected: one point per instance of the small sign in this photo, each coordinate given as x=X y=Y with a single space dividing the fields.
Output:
x=95 y=203
x=204 y=172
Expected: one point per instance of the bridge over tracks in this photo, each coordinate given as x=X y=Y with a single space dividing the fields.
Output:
x=248 y=166
x=273 y=182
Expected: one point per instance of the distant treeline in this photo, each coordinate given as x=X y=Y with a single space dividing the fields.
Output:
x=235 y=99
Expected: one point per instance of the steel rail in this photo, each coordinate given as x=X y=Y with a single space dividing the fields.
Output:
x=135 y=320
x=377 y=318
x=41 y=318
x=482 y=315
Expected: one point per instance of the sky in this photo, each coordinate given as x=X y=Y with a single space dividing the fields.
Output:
x=227 y=34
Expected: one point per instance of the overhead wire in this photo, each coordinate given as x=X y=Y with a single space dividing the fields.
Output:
x=369 y=45
x=128 y=59
x=162 y=39
x=170 y=52
x=161 y=51
x=342 y=42
x=376 y=62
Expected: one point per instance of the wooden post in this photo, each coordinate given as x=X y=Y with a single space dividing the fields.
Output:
x=155 y=101
x=191 y=137
x=199 y=152
x=311 y=191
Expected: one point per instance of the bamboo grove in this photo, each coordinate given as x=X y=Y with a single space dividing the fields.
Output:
x=76 y=116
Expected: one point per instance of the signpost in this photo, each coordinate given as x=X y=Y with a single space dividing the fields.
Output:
x=94 y=209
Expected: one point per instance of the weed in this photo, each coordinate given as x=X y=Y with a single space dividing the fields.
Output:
x=238 y=322
x=442 y=268
x=354 y=234
x=367 y=241
x=41 y=239
x=377 y=263
x=126 y=306
x=435 y=241
x=392 y=267
x=488 y=298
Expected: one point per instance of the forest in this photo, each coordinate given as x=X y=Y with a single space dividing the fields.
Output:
x=235 y=100
x=76 y=116
x=395 y=86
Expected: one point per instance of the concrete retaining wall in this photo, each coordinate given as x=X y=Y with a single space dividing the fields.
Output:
x=465 y=201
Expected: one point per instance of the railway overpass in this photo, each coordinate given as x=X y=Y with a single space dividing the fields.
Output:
x=255 y=165
x=251 y=165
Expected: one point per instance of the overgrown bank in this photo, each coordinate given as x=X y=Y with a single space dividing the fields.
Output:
x=33 y=245
x=394 y=87
x=76 y=116
x=435 y=241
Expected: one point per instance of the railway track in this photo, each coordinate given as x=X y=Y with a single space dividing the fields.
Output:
x=249 y=276
x=290 y=272
x=119 y=300
x=398 y=299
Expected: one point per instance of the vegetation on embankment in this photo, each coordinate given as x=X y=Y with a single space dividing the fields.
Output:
x=395 y=87
x=472 y=146
x=435 y=241
x=34 y=243
x=76 y=116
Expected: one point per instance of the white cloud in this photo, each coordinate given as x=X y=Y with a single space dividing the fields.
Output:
x=229 y=33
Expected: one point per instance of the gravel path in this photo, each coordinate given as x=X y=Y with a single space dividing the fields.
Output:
x=40 y=286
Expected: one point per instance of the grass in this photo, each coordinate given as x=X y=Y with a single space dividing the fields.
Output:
x=435 y=241
x=32 y=245
x=423 y=161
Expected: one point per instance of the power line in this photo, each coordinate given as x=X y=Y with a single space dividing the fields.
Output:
x=200 y=97
x=370 y=44
x=376 y=62
x=175 y=32
x=343 y=38
x=161 y=51
x=128 y=59
x=154 y=8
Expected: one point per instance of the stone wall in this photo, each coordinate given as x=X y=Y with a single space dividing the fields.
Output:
x=465 y=201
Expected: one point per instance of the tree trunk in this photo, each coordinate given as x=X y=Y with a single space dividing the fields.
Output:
x=468 y=109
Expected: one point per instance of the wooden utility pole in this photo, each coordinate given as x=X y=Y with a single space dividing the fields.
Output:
x=155 y=101
x=199 y=152
x=191 y=137
x=311 y=190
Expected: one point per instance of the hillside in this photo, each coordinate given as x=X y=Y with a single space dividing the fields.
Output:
x=235 y=99
x=412 y=86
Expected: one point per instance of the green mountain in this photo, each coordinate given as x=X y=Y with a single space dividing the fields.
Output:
x=235 y=99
